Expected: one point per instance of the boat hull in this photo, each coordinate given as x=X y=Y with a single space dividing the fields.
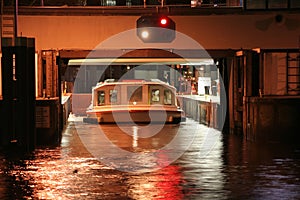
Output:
x=135 y=115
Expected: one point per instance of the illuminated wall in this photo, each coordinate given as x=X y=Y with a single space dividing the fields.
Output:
x=212 y=32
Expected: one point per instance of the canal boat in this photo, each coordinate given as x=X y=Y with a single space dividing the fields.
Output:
x=138 y=101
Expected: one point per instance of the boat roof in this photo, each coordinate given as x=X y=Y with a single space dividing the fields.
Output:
x=113 y=82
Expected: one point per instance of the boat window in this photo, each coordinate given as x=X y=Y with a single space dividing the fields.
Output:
x=167 y=97
x=113 y=96
x=101 y=98
x=134 y=93
x=155 y=95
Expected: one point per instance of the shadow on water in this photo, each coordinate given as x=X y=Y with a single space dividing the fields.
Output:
x=233 y=169
x=261 y=170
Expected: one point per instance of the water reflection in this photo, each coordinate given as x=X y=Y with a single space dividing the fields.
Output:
x=234 y=169
x=162 y=184
x=203 y=178
x=133 y=148
x=261 y=170
x=135 y=137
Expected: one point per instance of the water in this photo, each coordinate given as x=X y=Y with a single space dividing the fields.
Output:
x=227 y=168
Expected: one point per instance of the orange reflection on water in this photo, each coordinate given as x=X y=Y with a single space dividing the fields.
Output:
x=135 y=138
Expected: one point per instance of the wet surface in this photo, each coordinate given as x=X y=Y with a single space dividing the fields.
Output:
x=227 y=167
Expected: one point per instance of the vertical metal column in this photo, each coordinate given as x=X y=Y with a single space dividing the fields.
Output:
x=251 y=89
x=30 y=93
x=7 y=133
x=16 y=9
x=19 y=92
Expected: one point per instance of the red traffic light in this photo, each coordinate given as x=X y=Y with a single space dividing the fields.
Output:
x=156 y=21
x=155 y=28
x=163 y=21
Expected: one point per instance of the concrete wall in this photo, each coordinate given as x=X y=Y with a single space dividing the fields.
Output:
x=275 y=74
x=211 y=31
x=272 y=119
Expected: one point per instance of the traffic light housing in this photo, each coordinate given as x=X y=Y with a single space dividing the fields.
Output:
x=156 y=29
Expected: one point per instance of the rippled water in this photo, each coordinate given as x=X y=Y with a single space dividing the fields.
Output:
x=233 y=168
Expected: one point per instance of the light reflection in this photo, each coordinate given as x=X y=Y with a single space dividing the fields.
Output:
x=162 y=184
x=204 y=172
x=135 y=136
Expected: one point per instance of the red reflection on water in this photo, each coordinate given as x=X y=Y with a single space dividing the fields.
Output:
x=165 y=183
x=169 y=184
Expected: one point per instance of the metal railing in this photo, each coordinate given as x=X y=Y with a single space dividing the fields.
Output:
x=140 y=3
x=271 y=4
x=247 y=4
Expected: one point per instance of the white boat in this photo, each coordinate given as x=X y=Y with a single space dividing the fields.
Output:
x=138 y=101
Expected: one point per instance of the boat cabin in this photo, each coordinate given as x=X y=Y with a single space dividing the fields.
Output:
x=134 y=92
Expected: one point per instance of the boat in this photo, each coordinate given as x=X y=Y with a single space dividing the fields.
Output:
x=138 y=101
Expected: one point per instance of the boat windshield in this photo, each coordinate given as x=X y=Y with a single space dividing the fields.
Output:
x=134 y=93
x=155 y=95
x=101 y=98
x=113 y=96
x=167 y=97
